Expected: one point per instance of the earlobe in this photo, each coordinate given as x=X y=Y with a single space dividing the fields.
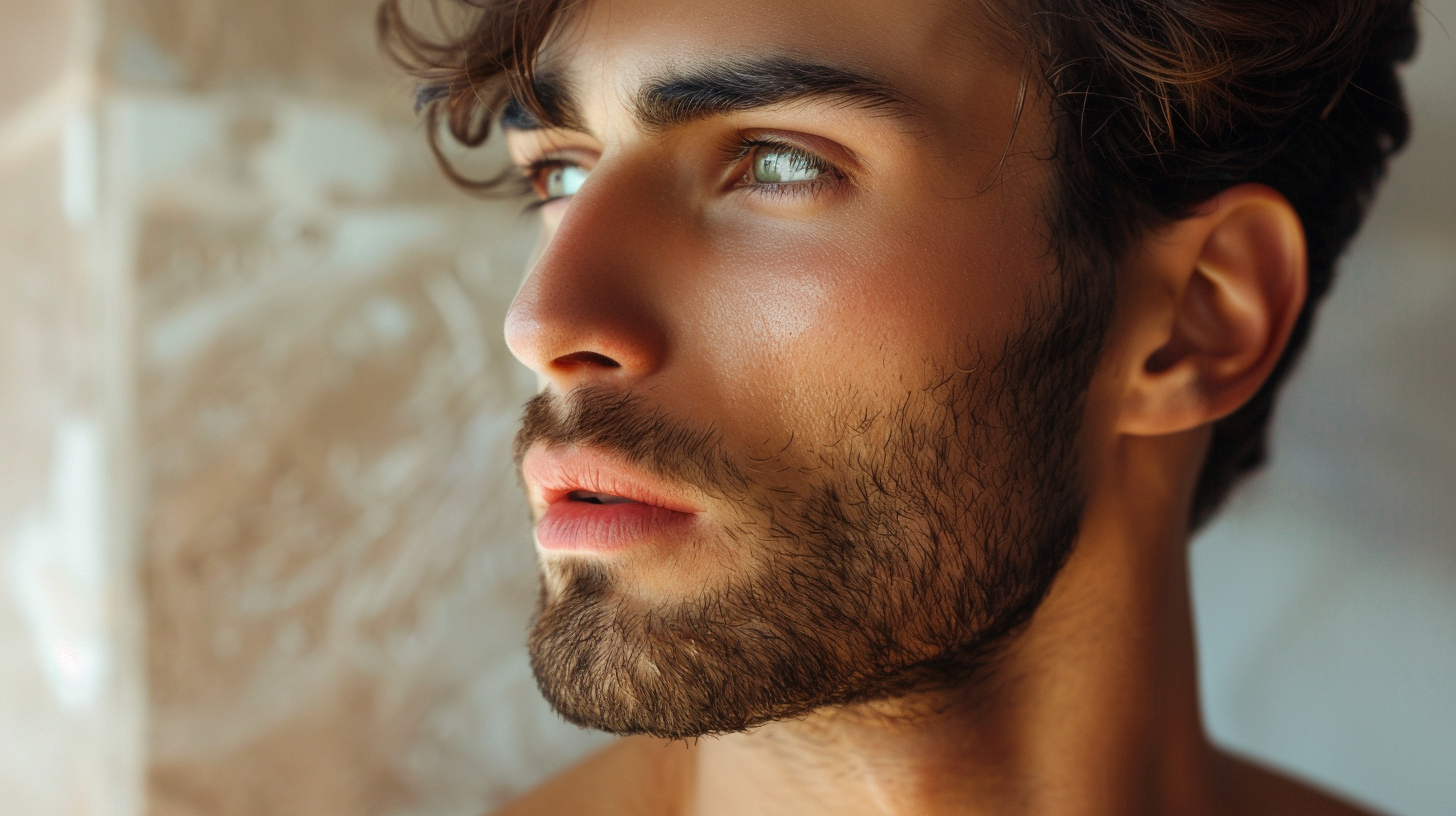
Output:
x=1223 y=290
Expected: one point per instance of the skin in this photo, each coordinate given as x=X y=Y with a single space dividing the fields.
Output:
x=743 y=310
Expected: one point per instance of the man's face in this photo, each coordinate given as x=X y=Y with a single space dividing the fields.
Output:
x=813 y=381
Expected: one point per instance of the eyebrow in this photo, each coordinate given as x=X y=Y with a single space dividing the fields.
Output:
x=676 y=98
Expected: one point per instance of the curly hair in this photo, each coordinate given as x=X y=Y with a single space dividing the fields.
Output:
x=1158 y=106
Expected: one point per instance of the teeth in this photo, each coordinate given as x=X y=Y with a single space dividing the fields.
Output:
x=596 y=498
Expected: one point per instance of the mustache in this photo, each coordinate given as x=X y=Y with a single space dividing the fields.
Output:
x=625 y=424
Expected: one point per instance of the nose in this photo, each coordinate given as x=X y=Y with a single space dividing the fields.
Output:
x=586 y=314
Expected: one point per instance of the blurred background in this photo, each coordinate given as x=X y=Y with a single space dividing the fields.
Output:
x=261 y=547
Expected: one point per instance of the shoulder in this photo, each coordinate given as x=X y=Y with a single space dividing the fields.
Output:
x=1251 y=789
x=640 y=776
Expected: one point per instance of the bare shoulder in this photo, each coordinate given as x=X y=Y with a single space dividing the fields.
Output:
x=1254 y=790
x=639 y=776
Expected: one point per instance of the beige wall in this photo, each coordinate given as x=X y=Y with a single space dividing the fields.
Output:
x=251 y=364
x=255 y=413
x=337 y=569
x=70 y=679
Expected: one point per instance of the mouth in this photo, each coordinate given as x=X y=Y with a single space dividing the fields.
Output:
x=589 y=497
x=587 y=501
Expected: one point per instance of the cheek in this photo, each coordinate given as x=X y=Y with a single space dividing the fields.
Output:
x=866 y=312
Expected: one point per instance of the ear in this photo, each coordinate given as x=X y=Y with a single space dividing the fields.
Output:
x=1213 y=300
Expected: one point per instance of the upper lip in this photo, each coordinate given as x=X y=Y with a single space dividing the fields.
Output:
x=553 y=473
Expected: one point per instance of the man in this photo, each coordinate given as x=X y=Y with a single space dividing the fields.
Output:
x=889 y=353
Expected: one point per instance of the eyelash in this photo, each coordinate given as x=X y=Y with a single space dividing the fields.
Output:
x=747 y=148
x=531 y=180
x=742 y=149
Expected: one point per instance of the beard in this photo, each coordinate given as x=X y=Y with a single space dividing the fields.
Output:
x=922 y=540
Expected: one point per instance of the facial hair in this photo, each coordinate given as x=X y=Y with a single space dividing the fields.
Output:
x=926 y=537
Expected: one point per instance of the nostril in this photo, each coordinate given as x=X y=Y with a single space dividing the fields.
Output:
x=581 y=359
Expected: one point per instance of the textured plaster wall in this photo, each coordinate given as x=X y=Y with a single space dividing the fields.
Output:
x=261 y=550
x=337 y=567
x=70 y=679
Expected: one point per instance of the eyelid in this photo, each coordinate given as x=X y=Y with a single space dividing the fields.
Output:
x=843 y=159
x=532 y=174
x=557 y=157
x=835 y=174
x=529 y=147
x=535 y=152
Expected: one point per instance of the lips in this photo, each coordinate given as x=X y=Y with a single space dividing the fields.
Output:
x=587 y=501
x=589 y=497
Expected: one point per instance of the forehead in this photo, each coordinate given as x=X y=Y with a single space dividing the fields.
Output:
x=934 y=51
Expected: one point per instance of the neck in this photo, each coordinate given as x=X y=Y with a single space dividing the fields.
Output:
x=1092 y=709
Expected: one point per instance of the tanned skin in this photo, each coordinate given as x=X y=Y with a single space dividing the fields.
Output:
x=1092 y=708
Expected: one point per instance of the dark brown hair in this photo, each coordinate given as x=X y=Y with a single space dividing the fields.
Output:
x=1159 y=105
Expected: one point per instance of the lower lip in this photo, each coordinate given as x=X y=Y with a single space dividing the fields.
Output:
x=572 y=526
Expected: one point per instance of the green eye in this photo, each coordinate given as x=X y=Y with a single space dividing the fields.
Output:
x=784 y=166
x=563 y=180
